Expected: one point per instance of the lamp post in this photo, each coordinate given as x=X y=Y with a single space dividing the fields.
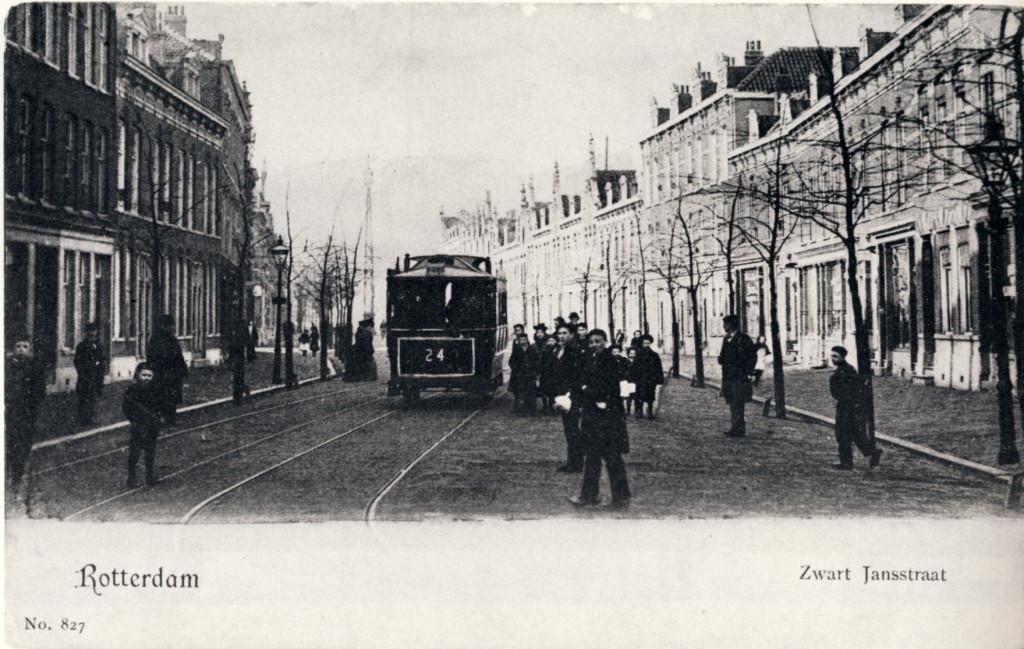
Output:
x=279 y=252
x=988 y=156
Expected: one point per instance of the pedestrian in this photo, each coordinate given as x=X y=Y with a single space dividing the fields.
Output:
x=24 y=389
x=142 y=405
x=304 y=342
x=620 y=338
x=737 y=359
x=363 y=350
x=648 y=375
x=574 y=319
x=314 y=340
x=638 y=340
x=568 y=365
x=631 y=377
x=762 y=351
x=254 y=341
x=547 y=369
x=847 y=389
x=581 y=335
x=602 y=426
x=523 y=380
x=90 y=366
x=164 y=357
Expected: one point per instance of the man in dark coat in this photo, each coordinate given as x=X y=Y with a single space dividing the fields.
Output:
x=648 y=375
x=164 y=357
x=523 y=381
x=24 y=389
x=91 y=365
x=737 y=359
x=547 y=370
x=363 y=351
x=568 y=361
x=846 y=387
x=141 y=405
x=603 y=425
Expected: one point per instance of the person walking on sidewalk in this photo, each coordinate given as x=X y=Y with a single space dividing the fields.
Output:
x=568 y=361
x=602 y=425
x=314 y=340
x=737 y=359
x=90 y=365
x=846 y=387
x=762 y=351
x=164 y=357
x=141 y=405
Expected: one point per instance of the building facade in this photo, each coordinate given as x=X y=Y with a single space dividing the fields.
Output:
x=60 y=162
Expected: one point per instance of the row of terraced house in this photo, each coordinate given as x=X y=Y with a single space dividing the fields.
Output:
x=756 y=145
x=125 y=139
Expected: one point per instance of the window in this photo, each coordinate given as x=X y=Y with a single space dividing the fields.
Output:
x=966 y=293
x=71 y=34
x=46 y=154
x=101 y=171
x=88 y=61
x=70 y=284
x=122 y=165
x=70 y=160
x=988 y=91
x=179 y=188
x=35 y=37
x=946 y=301
x=52 y=41
x=101 y=25
x=87 y=191
x=133 y=165
x=24 y=159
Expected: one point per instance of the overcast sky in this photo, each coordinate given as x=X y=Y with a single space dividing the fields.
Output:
x=448 y=101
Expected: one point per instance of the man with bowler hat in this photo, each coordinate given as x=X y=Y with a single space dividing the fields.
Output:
x=90 y=365
x=846 y=388
x=737 y=359
x=164 y=357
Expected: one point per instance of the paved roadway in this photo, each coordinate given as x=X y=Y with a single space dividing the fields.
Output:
x=326 y=452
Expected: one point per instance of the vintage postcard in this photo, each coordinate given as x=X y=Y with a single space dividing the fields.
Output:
x=513 y=325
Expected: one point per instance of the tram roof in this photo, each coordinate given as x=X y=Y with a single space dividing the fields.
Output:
x=446 y=266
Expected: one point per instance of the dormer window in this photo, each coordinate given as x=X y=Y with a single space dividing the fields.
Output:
x=136 y=45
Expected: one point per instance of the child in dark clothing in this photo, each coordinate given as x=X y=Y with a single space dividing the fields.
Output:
x=141 y=406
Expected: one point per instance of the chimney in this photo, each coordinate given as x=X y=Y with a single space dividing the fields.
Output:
x=906 y=13
x=722 y=64
x=707 y=86
x=753 y=126
x=684 y=100
x=753 y=55
x=175 y=19
x=577 y=204
x=812 y=87
x=654 y=112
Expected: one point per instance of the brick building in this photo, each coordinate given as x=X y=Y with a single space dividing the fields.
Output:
x=60 y=135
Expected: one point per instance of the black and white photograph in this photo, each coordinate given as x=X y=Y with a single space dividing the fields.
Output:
x=513 y=325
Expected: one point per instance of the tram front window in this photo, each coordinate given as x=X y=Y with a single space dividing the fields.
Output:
x=442 y=305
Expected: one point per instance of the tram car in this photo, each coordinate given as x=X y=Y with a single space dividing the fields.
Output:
x=447 y=325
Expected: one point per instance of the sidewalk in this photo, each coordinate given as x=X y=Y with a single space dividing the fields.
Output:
x=59 y=411
x=963 y=424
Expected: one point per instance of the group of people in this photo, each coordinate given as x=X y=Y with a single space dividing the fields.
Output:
x=360 y=365
x=534 y=367
x=593 y=385
x=309 y=341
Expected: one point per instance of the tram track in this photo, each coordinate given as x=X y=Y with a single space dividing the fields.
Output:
x=193 y=429
x=370 y=509
x=209 y=460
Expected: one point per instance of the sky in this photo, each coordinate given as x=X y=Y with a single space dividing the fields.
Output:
x=447 y=101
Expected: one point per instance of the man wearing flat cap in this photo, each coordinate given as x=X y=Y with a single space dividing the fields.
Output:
x=846 y=388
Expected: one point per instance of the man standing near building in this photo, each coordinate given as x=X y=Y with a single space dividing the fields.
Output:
x=603 y=425
x=24 y=389
x=847 y=389
x=568 y=358
x=164 y=357
x=737 y=359
x=91 y=365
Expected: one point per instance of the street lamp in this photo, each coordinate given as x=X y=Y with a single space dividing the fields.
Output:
x=279 y=252
x=989 y=156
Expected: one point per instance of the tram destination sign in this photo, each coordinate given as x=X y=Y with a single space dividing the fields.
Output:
x=436 y=356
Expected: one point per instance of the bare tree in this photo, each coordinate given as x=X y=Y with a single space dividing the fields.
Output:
x=697 y=268
x=616 y=276
x=583 y=280
x=642 y=271
x=670 y=267
x=320 y=284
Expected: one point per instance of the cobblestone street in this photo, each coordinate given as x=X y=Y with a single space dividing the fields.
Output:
x=681 y=465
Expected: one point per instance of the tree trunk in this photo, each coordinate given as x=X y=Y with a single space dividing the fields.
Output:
x=860 y=334
x=778 y=376
x=1008 y=453
x=1017 y=58
x=698 y=342
x=675 y=335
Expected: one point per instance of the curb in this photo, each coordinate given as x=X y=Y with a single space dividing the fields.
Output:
x=1013 y=479
x=196 y=406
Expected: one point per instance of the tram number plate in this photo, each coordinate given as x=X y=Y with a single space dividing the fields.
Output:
x=435 y=356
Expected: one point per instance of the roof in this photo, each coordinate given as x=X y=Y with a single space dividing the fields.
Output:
x=446 y=266
x=794 y=62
